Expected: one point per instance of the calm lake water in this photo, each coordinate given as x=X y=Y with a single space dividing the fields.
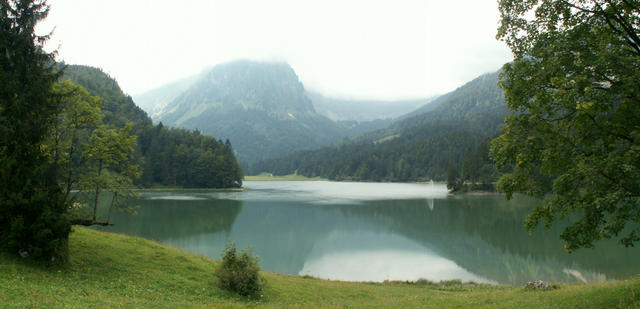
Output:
x=373 y=232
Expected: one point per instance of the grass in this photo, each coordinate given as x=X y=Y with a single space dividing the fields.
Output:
x=290 y=177
x=109 y=270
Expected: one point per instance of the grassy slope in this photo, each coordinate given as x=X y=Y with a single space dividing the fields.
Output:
x=110 y=270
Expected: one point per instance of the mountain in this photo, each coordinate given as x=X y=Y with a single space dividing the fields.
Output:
x=154 y=102
x=261 y=107
x=169 y=157
x=477 y=97
x=363 y=110
x=418 y=147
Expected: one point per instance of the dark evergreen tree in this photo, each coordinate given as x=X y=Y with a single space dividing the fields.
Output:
x=452 y=176
x=33 y=219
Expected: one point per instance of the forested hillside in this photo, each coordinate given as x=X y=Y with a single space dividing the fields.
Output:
x=420 y=147
x=118 y=108
x=171 y=157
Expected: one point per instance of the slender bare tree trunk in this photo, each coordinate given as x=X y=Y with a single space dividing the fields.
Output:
x=95 y=201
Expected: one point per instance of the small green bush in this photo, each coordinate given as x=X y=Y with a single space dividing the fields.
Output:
x=239 y=273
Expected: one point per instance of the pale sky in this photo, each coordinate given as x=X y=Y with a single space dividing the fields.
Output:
x=364 y=49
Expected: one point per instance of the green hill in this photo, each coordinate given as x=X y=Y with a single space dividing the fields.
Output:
x=117 y=107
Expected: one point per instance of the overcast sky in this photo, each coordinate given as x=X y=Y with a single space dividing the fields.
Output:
x=348 y=48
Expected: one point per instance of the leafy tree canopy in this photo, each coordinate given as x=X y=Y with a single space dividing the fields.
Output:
x=574 y=131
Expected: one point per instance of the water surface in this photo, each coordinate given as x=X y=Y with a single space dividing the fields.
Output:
x=373 y=232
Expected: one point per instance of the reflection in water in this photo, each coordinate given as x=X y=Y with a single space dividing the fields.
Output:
x=366 y=256
x=380 y=265
x=326 y=192
x=165 y=219
x=363 y=231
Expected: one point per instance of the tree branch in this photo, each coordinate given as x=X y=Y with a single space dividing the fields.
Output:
x=561 y=118
x=624 y=137
x=629 y=4
x=628 y=30
x=579 y=8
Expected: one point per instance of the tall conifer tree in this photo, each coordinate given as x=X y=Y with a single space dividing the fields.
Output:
x=32 y=206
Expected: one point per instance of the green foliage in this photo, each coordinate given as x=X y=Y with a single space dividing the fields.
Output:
x=239 y=273
x=178 y=157
x=110 y=167
x=575 y=122
x=80 y=115
x=453 y=177
x=477 y=171
x=93 y=157
x=33 y=220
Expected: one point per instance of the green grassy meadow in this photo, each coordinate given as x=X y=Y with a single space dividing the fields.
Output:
x=115 y=271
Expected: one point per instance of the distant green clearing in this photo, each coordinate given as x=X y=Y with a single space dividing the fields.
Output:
x=109 y=270
x=386 y=139
x=290 y=177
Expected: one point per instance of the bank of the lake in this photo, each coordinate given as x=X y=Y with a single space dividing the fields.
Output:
x=297 y=177
x=290 y=177
x=112 y=270
x=163 y=189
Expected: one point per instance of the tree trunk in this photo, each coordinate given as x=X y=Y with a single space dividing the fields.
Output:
x=95 y=201
x=70 y=168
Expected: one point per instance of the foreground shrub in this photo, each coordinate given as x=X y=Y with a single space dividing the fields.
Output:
x=239 y=273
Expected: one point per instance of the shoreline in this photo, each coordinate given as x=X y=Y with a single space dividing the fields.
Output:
x=192 y=189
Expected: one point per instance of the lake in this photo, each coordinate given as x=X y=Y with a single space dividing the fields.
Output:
x=372 y=232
